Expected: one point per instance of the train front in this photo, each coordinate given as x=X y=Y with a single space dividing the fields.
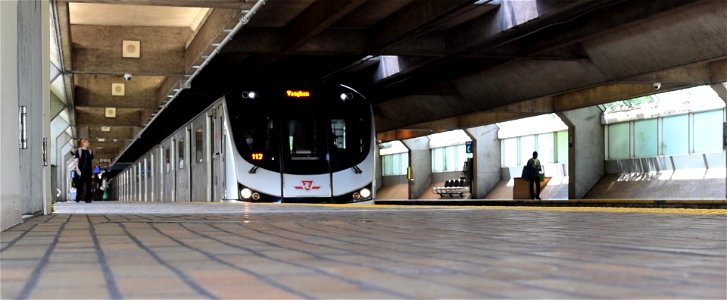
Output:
x=302 y=145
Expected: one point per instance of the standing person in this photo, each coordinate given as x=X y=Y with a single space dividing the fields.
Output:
x=84 y=168
x=534 y=169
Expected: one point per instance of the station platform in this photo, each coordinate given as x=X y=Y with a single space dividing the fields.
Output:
x=673 y=203
x=242 y=250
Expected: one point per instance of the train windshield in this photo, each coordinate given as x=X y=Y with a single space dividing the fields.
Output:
x=311 y=136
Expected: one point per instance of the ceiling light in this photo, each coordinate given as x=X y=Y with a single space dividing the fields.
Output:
x=101 y=140
x=105 y=128
x=110 y=112
x=118 y=89
x=131 y=49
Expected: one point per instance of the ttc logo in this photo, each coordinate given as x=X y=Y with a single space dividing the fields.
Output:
x=307 y=185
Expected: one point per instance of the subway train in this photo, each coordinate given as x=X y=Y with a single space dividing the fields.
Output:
x=263 y=145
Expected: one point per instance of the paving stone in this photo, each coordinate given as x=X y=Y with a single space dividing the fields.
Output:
x=193 y=251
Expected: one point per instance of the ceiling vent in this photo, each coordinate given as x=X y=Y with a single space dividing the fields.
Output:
x=110 y=112
x=131 y=49
x=118 y=89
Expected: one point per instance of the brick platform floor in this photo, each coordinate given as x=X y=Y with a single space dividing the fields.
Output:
x=166 y=250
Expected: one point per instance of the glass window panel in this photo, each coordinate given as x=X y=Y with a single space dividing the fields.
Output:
x=618 y=141
x=338 y=128
x=461 y=157
x=199 y=144
x=546 y=147
x=396 y=163
x=449 y=159
x=438 y=159
x=708 y=131
x=562 y=147
x=386 y=161
x=180 y=153
x=527 y=146
x=404 y=163
x=167 y=159
x=645 y=138
x=510 y=152
x=675 y=135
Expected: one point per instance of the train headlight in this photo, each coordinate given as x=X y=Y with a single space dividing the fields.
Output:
x=255 y=196
x=365 y=193
x=356 y=195
x=248 y=95
x=346 y=96
x=245 y=193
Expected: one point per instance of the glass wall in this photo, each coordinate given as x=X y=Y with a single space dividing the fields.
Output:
x=699 y=132
x=552 y=147
x=394 y=164
x=448 y=159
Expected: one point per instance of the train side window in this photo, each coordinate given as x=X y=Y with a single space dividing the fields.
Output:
x=167 y=159
x=180 y=150
x=199 y=144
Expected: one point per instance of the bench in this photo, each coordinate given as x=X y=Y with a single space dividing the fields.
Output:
x=452 y=188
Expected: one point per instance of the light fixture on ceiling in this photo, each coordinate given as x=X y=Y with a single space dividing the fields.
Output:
x=118 y=89
x=105 y=128
x=131 y=49
x=101 y=140
x=110 y=112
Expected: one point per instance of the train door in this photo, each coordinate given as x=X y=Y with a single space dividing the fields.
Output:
x=172 y=167
x=216 y=144
x=306 y=161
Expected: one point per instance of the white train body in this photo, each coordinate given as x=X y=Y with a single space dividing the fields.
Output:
x=276 y=145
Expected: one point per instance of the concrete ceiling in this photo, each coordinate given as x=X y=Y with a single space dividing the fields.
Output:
x=136 y=15
x=457 y=63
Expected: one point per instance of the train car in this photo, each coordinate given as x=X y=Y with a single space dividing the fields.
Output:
x=288 y=144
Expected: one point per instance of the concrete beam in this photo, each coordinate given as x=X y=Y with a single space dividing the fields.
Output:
x=97 y=50
x=95 y=91
x=64 y=22
x=212 y=31
x=95 y=117
x=414 y=19
x=238 y=4
x=315 y=18
x=672 y=79
x=721 y=90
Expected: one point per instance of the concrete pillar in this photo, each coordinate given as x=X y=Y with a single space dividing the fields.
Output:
x=721 y=89
x=420 y=161
x=586 y=148
x=33 y=46
x=487 y=162
x=10 y=163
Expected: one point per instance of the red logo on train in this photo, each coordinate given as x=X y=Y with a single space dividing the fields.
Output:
x=307 y=185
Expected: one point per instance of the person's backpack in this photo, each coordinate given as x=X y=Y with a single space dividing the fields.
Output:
x=526 y=172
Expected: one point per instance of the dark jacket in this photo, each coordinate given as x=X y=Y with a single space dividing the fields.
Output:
x=85 y=161
x=533 y=167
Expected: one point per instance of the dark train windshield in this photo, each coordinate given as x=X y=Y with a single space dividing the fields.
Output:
x=301 y=136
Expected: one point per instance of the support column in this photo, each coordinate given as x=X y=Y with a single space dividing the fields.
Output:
x=586 y=148
x=487 y=154
x=10 y=163
x=721 y=89
x=378 y=177
x=420 y=161
x=33 y=54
